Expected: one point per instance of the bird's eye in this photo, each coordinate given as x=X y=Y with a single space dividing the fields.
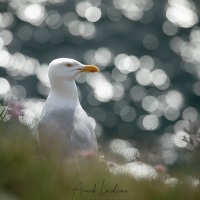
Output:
x=69 y=65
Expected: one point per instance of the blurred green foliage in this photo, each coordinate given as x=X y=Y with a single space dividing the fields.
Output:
x=25 y=174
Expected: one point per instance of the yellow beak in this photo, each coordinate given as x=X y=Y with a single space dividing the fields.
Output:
x=90 y=68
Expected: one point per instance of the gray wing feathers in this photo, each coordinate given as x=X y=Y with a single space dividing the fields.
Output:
x=54 y=134
x=83 y=137
x=66 y=133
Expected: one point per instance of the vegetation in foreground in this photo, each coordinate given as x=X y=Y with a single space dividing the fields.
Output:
x=25 y=174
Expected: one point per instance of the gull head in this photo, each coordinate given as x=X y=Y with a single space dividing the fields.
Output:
x=68 y=69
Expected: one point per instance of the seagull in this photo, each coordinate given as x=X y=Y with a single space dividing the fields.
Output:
x=65 y=131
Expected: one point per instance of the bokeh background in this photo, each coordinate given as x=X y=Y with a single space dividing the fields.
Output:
x=148 y=52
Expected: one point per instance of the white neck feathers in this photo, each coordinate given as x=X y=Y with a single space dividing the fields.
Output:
x=63 y=93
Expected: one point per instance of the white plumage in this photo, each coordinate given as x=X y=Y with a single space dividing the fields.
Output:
x=65 y=131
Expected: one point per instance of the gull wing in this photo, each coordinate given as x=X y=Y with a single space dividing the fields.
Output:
x=66 y=134
x=83 y=137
